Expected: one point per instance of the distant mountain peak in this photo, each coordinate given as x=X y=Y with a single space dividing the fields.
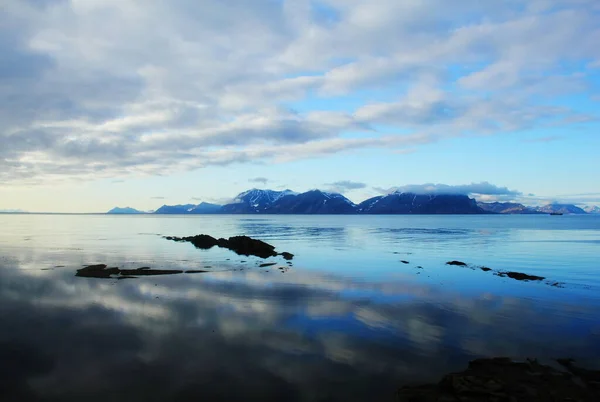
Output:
x=561 y=208
x=507 y=208
x=126 y=210
x=592 y=209
x=399 y=202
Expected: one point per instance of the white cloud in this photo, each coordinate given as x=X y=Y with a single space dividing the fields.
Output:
x=104 y=88
x=482 y=189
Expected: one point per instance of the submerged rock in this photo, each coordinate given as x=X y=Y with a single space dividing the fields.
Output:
x=90 y=268
x=521 y=276
x=242 y=245
x=405 y=262
x=101 y=271
x=286 y=255
x=457 y=263
x=501 y=379
x=97 y=271
x=267 y=264
x=145 y=271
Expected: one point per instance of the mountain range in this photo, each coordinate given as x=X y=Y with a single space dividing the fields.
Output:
x=256 y=201
x=514 y=208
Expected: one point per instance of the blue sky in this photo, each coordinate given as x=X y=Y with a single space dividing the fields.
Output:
x=106 y=102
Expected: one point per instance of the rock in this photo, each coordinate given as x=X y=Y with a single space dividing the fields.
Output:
x=485 y=269
x=149 y=272
x=286 y=255
x=245 y=245
x=195 y=271
x=405 y=262
x=201 y=241
x=457 y=263
x=268 y=264
x=502 y=379
x=97 y=271
x=242 y=245
x=89 y=268
x=521 y=276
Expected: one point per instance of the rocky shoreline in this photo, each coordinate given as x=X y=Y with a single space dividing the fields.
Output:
x=504 y=380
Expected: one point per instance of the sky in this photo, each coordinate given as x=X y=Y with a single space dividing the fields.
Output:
x=135 y=103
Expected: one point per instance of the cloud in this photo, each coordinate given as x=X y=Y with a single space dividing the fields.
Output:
x=157 y=198
x=77 y=103
x=261 y=180
x=345 y=185
x=482 y=189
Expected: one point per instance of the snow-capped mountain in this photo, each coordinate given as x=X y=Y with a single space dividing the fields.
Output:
x=410 y=203
x=561 y=208
x=206 y=208
x=507 y=208
x=175 y=209
x=312 y=202
x=255 y=201
x=592 y=209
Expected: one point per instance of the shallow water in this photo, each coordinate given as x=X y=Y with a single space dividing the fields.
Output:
x=348 y=321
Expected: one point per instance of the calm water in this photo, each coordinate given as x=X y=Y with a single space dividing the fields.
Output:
x=348 y=321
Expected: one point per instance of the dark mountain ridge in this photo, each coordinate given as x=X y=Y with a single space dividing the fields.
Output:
x=257 y=201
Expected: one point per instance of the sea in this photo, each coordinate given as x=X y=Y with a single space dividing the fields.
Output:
x=367 y=305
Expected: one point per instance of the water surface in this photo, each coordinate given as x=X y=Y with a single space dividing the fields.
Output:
x=347 y=321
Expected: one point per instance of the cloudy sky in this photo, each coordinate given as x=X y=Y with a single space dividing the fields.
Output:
x=140 y=103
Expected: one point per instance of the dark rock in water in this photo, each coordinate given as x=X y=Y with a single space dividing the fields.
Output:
x=242 y=245
x=97 y=271
x=89 y=268
x=202 y=241
x=485 y=269
x=405 y=262
x=101 y=271
x=149 y=272
x=245 y=245
x=457 y=263
x=195 y=271
x=501 y=379
x=286 y=255
x=521 y=276
x=267 y=264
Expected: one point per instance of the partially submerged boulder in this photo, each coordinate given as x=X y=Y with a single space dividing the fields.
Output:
x=457 y=263
x=286 y=255
x=97 y=271
x=244 y=245
x=501 y=379
x=520 y=276
x=145 y=271
x=103 y=272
